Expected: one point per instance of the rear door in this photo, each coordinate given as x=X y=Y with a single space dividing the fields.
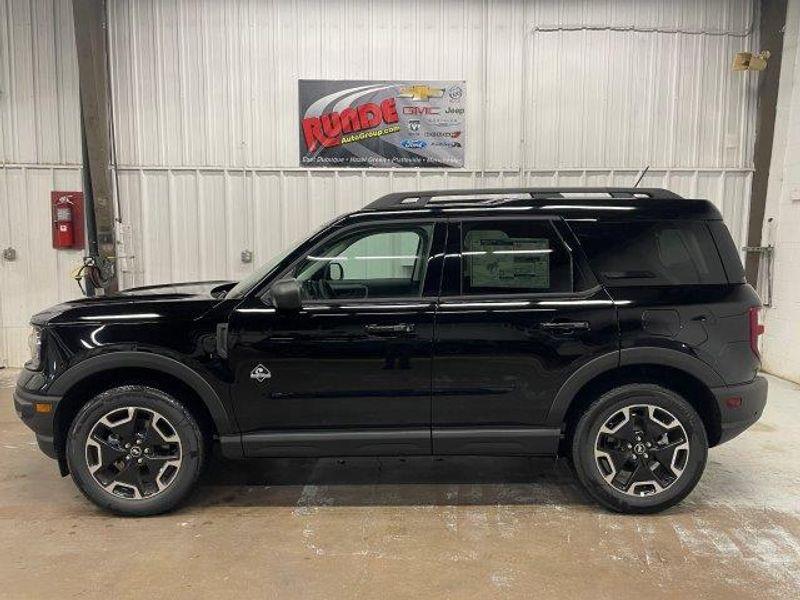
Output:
x=519 y=313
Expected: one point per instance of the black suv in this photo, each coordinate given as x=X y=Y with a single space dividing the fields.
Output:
x=611 y=325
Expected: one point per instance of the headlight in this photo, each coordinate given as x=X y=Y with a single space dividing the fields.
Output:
x=35 y=347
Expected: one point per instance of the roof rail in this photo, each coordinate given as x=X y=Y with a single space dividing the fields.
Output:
x=484 y=197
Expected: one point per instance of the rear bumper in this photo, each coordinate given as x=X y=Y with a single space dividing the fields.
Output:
x=42 y=423
x=734 y=420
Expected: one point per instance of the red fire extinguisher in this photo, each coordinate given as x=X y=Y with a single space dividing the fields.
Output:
x=65 y=225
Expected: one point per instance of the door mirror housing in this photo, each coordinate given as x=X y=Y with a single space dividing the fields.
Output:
x=285 y=295
x=335 y=271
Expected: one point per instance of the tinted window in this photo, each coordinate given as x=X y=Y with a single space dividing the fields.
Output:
x=651 y=252
x=387 y=262
x=728 y=251
x=514 y=257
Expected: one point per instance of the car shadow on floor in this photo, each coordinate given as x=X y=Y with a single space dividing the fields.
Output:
x=411 y=481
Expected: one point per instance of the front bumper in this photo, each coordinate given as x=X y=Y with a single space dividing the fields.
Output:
x=38 y=413
x=735 y=419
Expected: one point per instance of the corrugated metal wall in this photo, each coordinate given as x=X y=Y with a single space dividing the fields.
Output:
x=559 y=93
x=41 y=151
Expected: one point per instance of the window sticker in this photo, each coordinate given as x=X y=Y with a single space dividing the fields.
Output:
x=496 y=260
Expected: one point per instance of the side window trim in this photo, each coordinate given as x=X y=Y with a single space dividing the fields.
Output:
x=587 y=293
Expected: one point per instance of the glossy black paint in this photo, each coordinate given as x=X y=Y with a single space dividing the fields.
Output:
x=440 y=373
x=497 y=362
x=329 y=369
x=708 y=323
x=500 y=360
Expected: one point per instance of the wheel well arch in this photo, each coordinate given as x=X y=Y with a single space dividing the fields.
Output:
x=87 y=388
x=690 y=387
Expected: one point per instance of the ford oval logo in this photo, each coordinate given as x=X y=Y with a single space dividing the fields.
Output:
x=411 y=144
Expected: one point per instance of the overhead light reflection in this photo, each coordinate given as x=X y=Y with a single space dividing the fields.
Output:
x=122 y=317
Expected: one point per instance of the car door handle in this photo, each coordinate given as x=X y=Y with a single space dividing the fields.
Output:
x=565 y=326
x=390 y=330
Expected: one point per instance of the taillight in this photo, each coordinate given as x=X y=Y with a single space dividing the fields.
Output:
x=756 y=328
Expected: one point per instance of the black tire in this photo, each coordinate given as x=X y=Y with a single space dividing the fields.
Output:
x=144 y=400
x=588 y=468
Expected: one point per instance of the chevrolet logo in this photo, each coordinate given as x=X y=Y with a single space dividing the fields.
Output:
x=420 y=92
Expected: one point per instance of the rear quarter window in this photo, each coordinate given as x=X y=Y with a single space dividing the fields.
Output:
x=731 y=259
x=651 y=253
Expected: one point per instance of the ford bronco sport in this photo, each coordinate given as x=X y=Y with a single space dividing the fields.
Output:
x=613 y=326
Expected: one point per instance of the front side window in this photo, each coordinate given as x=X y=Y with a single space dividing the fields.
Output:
x=380 y=262
x=514 y=257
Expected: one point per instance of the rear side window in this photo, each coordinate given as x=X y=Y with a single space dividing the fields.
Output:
x=727 y=250
x=514 y=257
x=651 y=253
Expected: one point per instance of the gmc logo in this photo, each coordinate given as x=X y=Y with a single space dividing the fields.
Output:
x=420 y=110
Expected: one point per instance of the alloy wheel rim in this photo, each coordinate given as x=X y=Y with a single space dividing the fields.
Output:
x=641 y=450
x=133 y=452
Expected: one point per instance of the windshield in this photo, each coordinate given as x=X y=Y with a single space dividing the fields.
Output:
x=249 y=282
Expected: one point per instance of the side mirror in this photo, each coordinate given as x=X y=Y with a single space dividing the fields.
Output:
x=335 y=271
x=285 y=295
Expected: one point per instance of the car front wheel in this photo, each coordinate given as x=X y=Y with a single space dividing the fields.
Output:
x=639 y=448
x=135 y=450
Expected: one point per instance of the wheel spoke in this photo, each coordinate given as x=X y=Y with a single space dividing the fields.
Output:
x=157 y=433
x=641 y=473
x=110 y=452
x=626 y=432
x=131 y=476
x=661 y=473
x=626 y=476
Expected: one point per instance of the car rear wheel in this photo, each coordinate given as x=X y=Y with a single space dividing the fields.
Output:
x=639 y=448
x=135 y=450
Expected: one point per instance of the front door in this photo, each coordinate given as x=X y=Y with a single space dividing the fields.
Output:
x=350 y=372
x=518 y=315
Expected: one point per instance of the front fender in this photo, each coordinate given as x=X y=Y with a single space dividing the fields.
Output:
x=223 y=420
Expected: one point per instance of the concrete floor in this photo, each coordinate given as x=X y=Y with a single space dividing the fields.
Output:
x=447 y=528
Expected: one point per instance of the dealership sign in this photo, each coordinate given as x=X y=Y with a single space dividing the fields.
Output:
x=381 y=123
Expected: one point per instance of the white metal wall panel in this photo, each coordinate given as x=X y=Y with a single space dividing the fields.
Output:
x=602 y=84
x=39 y=277
x=39 y=151
x=38 y=83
